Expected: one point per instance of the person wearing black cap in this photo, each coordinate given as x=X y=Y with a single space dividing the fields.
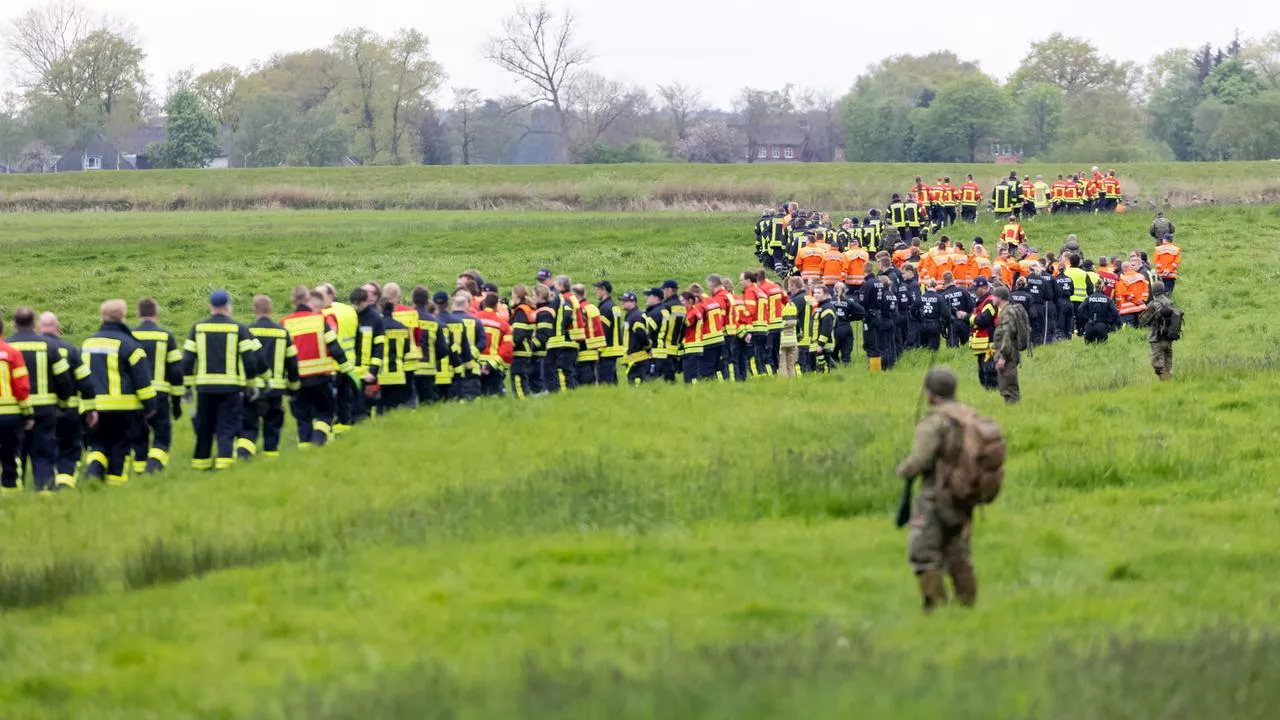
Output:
x=219 y=359
x=982 y=325
x=658 y=323
x=612 y=319
x=673 y=335
x=636 y=341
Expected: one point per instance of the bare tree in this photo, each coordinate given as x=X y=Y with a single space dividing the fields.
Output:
x=466 y=102
x=682 y=103
x=44 y=36
x=179 y=81
x=597 y=103
x=542 y=53
x=414 y=76
x=216 y=89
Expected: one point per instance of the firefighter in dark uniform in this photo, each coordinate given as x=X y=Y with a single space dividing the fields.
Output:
x=873 y=304
x=892 y=311
x=823 y=330
x=658 y=322
x=220 y=358
x=279 y=361
x=395 y=388
x=153 y=438
x=959 y=307
x=934 y=310
x=1097 y=316
x=908 y=291
x=424 y=380
x=1063 y=311
x=74 y=412
x=1043 y=305
x=464 y=376
x=524 y=326
x=636 y=340
x=612 y=318
x=544 y=313
x=673 y=334
x=371 y=343
x=51 y=383
x=123 y=395
x=321 y=357
x=848 y=312
x=562 y=348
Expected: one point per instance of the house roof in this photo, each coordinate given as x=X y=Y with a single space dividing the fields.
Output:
x=137 y=142
x=112 y=156
x=785 y=134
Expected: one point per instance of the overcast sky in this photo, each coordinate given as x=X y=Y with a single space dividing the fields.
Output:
x=716 y=45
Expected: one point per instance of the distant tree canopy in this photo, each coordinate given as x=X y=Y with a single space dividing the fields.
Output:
x=377 y=99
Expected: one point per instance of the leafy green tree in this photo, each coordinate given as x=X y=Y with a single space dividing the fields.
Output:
x=1039 y=111
x=876 y=131
x=1233 y=81
x=1103 y=126
x=265 y=135
x=1072 y=64
x=964 y=114
x=217 y=90
x=1175 y=92
x=1250 y=129
x=1205 y=121
x=192 y=131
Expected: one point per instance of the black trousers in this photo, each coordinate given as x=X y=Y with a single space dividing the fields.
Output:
x=465 y=387
x=969 y=213
x=313 y=412
x=931 y=335
x=887 y=344
x=40 y=449
x=346 y=399
x=218 y=420
x=739 y=358
x=586 y=371
x=987 y=372
x=663 y=368
x=394 y=397
x=1096 y=332
x=691 y=365
x=109 y=445
x=1168 y=284
x=804 y=359
x=493 y=383
x=10 y=448
x=843 y=350
x=70 y=430
x=640 y=372
x=265 y=415
x=424 y=386
x=1041 y=317
x=152 y=438
x=561 y=369
x=711 y=361
x=774 y=350
x=1066 y=319
x=607 y=371
x=522 y=371
x=759 y=349
x=537 y=375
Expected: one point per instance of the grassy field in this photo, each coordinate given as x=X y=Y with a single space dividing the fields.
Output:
x=717 y=551
x=677 y=186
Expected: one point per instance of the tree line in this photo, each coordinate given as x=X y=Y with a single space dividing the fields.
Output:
x=374 y=99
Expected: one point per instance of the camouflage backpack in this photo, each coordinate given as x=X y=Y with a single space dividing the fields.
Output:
x=972 y=469
x=1171 y=325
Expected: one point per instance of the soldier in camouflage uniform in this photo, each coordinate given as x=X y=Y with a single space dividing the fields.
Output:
x=938 y=538
x=1005 y=343
x=1158 y=308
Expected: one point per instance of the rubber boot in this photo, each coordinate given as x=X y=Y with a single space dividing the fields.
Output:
x=933 y=590
x=966 y=583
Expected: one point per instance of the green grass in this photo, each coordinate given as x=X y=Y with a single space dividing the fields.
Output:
x=717 y=551
x=614 y=188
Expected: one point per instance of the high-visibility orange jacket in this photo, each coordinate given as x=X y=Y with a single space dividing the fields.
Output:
x=900 y=257
x=756 y=301
x=855 y=266
x=1024 y=265
x=809 y=262
x=717 y=307
x=981 y=266
x=1111 y=187
x=1058 y=191
x=500 y=350
x=962 y=269
x=970 y=194
x=935 y=193
x=832 y=267
x=1131 y=293
x=1168 y=258
x=1028 y=192
x=949 y=195
x=1004 y=267
x=315 y=338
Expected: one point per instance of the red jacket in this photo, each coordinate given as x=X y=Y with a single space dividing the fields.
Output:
x=499 y=335
x=14 y=393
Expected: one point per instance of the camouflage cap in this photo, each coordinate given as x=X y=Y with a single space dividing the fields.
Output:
x=941 y=381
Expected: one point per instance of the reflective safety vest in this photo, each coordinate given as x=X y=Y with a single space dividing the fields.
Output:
x=1167 y=259
x=1131 y=293
x=755 y=302
x=1111 y=187
x=809 y=262
x=1078 y=279
x=970 y=194
x=1013 y=232
x=776 y=304
x=949 y=195
x=962 y=269
x=347 y=324
x=833 y=267
x=1071 y=193
x=15 y=385
x=1028 y=191
x=1041 y=194
x=1003 y=198
x=312 y=333
x=980 y=337
x=855 y=267
x=395 y=356
x=1058 y=191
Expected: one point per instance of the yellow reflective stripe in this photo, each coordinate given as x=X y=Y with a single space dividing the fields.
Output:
x=110 y=403
x=268 y=332
x=82 y=372
x=173 y=356
x=113 y=375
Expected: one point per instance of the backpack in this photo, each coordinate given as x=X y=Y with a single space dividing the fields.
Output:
x=1171 y=328
x=972 y=470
